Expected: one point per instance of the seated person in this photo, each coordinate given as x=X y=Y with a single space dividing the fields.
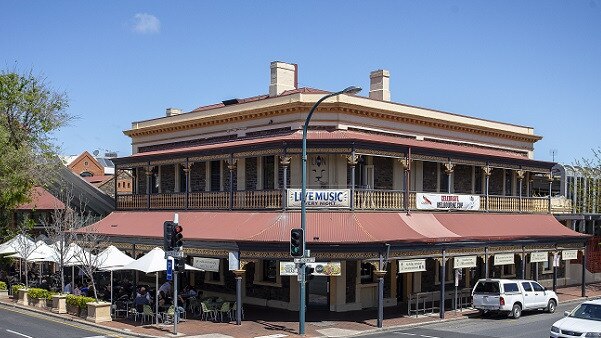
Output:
x=142 y=298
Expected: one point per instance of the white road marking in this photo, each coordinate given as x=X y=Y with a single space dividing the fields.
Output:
x=95 y=337
x=418 y=335
x=18 y=333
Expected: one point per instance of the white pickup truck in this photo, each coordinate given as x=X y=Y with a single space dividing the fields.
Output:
x=512 y=296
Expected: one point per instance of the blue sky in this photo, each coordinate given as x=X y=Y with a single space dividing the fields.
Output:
x=534 y=63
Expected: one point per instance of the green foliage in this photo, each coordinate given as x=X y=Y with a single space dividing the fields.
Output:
x=29 y=111
x=79 y=301
x=38 y=293
x=15 y=288
x=3 y=286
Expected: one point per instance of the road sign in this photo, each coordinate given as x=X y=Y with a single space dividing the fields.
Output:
x=169 y=269
x=174 y=253
x=305 y=260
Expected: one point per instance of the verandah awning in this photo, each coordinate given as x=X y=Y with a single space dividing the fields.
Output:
x=340 y=227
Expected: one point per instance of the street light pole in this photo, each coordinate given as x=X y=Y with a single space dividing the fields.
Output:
x=301 y=268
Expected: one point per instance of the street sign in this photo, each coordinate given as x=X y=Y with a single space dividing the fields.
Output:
x=169 y=269
x=174 y=253
x=305 y=260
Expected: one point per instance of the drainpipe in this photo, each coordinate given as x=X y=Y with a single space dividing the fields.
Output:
x=442 y=282
x=583 y=286
x=485 y=262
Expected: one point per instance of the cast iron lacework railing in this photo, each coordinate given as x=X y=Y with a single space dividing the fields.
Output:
x=363 y=199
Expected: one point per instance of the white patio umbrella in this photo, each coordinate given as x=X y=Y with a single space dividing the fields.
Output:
x=15 y=244
x=111 y=259
x=42 y=253
x=153 y=261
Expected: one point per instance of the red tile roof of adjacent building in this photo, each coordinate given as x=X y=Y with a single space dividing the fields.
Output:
x=339 y=227
x=337 y=135
x=41 y=199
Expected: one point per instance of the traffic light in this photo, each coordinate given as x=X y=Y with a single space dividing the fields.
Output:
x=177 y=237
x=180 y=265
x=297 y=248
x=167 y=235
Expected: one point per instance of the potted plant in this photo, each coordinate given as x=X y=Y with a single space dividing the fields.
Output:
x=99 y=311
x=22 y=297
x=59 y=303
x=38 y=297
x=14 y=290
x=77 y=305
x=3 y=289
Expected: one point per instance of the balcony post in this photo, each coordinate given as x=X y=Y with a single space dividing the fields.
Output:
x=116 y=176
x=187 y=173
x=550 y=179
x=148 y=184
x=443 y=280
x=521 y=173
x=487 y=172
x=231 y=165
x=285 y=163
x=449 y=168
x=406 y=163
x=352 y=160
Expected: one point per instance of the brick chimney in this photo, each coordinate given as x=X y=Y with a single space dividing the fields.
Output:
x=284 y=76
x=172 y=111
x=379 y=85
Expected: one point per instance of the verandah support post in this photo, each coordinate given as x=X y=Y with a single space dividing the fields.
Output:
x=380 y=273
x=352 y=160
x=485 y=262
x=239 y=273
x=487 y=172
x=583 y=286
x=285 y=162
x=442 y=282
x=523 y=262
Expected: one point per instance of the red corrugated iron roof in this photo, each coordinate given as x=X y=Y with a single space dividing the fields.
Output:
x=337 y=135
x=338 y=227
x=41 y=199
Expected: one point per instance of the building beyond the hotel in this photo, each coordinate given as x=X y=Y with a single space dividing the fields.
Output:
x=405 y=193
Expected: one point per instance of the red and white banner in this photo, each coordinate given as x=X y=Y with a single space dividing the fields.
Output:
x=426 y=201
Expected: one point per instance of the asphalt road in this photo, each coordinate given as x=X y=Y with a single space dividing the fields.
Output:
x=530 y=325
x=16 y=323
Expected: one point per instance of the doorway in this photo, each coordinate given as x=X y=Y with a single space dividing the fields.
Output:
x=318 y=292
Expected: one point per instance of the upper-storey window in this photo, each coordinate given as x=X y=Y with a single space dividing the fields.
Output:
x=269 y=172
x=215 y=175
x=430 y=176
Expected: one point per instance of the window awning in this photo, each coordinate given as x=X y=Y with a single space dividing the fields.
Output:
x=339 y=227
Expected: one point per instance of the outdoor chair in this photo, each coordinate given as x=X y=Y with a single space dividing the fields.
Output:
x=147 y=313
x=207 y=313
x=120 y=307
x=233 y=310
x=170 y=315
x=194 y=305
x=134 y=313
x=225 y=309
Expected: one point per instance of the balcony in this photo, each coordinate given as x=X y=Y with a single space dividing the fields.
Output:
x=364 y=199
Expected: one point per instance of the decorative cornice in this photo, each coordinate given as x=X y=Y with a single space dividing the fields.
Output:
x=210 y=158
x=256 y=153
x=370 y=152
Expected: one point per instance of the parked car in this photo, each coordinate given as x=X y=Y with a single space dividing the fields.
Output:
x=583 y=321
x=512 y=296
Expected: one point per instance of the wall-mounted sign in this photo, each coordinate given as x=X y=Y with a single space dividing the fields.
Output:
x=207 y=264
x=412 y=265
x=320 y=198
x=447 y=202
x=504 y=259
x=319 y=269
x=234 y=261
x=539 y=257
x=567 y=255
x=464 y=262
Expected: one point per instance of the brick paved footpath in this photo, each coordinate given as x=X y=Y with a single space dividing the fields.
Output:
x=261 y=322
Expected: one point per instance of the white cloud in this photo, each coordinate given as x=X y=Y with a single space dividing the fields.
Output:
x=145 y=23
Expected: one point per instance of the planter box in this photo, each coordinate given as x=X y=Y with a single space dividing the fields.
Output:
x=99 y=312
x=73 y=310
x=38 y=302
x=59 y=304
x=22 y=298
x=3 y=293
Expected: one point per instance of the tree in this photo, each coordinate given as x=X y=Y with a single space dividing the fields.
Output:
x=91 y=241
x=29 y=111
x=61 y=226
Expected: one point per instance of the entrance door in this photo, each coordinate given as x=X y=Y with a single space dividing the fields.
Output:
x=318 y=292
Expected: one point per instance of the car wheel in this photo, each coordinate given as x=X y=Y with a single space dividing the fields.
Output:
x=551 y=306
x=483 y=313
x=516 y=311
